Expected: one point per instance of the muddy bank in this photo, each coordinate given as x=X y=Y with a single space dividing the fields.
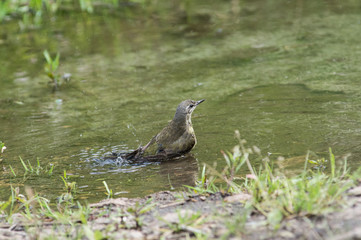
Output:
x=171 y=215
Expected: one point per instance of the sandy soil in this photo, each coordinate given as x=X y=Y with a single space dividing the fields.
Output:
x=180 y=216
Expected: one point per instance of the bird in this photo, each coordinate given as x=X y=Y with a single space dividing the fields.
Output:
x=176 y=139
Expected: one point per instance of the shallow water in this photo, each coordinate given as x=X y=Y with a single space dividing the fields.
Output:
x=288 y=80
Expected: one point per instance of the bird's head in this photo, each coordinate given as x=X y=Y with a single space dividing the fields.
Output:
x=186 y=108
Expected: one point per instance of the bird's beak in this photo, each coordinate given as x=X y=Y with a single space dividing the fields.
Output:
x=200 y=101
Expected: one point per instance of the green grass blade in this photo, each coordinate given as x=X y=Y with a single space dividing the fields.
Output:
x=51 y=170
x=106 y=186
x=12 y=170
x=332 y=162
x=30 y=166
x=24 y=165
x=345 y=167
x=55 y=63
x=47 y=57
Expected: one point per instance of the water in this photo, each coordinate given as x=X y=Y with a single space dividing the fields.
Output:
x=287 y=79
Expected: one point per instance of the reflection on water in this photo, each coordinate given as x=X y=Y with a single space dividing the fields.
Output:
x=179 y=171
x=183 y=171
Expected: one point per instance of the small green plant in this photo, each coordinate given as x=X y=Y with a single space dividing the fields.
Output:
x=187 y=221
x=109 y=192
x=230 y=176
x=51 y=68
x=8 y=207
x=234 y=161
x=69 y=187
x=138 y=210
x=86 y=5
x=236 y=224
x=4 y=9
x=204 y=184
x=34 y=170
x=30 y=21
x=318 y=164
x=18 y=203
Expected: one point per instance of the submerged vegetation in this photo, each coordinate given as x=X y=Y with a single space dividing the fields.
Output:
x=13 y=8
x=51 y=70
x=29 y=169
x=31 y=12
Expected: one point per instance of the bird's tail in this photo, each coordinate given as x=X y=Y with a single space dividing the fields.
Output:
x=133 y=155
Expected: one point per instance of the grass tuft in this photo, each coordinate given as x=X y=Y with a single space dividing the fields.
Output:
x=37 y=170
x=274 y=194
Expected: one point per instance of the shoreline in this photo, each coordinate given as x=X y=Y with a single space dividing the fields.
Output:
x=178 y=215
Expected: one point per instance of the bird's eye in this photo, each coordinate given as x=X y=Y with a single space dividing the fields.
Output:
x=191 y=105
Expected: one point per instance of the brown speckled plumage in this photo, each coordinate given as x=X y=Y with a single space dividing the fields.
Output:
x=175 y=139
